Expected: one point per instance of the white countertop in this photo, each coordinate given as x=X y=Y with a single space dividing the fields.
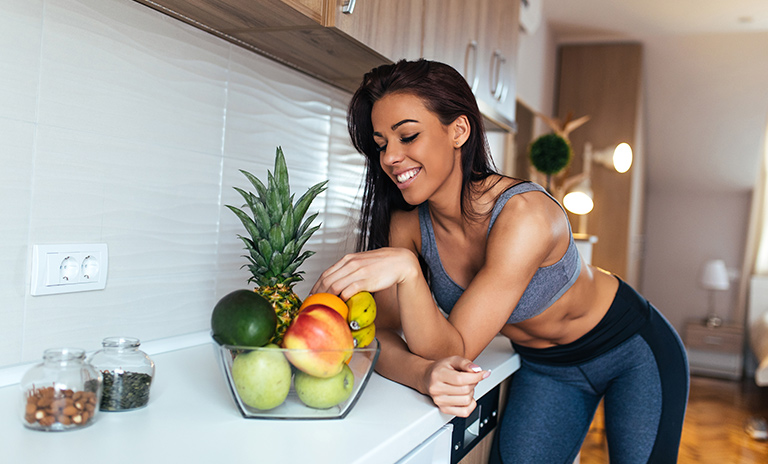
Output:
x=191 y=418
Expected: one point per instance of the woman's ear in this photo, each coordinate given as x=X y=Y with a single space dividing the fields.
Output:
x=461 y=130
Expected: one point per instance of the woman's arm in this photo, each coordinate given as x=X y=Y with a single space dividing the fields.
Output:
x=396 y=269
x=450 y=382
x=529 y=231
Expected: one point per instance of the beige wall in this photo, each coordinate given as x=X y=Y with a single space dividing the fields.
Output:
x=705 y=98
x=683 y=231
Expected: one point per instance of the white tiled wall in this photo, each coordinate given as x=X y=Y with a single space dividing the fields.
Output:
x=120 y=125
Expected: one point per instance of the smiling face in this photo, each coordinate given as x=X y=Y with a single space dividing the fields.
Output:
x=419 y=153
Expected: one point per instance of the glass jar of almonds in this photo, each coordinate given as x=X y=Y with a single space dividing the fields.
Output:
x=61 y=393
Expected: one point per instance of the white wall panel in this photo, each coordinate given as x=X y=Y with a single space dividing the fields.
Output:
x=115 y=69
x=20 y=32
x=16 y=165
x=128 y=128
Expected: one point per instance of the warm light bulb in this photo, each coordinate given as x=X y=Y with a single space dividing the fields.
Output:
x=578 y=202
x=622 y=157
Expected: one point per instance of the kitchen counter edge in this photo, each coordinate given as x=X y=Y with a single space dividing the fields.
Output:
x=192 y=418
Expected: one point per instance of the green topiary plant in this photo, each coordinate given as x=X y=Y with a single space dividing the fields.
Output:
x=550 y=154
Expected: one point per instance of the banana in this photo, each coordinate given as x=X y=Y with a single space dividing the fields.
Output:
x=362 y=310
x=364 y=336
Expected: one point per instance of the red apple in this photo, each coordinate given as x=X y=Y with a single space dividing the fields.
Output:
x=323 y=340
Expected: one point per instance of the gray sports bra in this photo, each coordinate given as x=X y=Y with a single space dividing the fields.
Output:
x=546 y=286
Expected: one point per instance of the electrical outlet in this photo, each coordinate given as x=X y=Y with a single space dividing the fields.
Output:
x=68 y=268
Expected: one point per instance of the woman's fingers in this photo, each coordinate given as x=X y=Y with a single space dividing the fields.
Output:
x=456 y=374
x=451 y=384
x=460 y=411
x=371 y=271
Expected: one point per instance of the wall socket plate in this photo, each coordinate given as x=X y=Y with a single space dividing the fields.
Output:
x=68 y=268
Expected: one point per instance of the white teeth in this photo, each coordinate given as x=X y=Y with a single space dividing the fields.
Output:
x=407 y=175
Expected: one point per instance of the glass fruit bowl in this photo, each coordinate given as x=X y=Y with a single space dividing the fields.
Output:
x=266 y=384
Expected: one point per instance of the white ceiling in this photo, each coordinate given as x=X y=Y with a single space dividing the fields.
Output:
x=643 y=18
x=706 y=81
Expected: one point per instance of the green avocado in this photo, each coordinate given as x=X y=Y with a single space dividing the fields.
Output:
x=243 y=318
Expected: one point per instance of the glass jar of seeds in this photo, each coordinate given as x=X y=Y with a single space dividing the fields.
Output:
x=61 y=393
x=127 y=373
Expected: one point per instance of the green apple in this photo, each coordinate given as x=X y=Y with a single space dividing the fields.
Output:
x=323 y=393
x=262 y=377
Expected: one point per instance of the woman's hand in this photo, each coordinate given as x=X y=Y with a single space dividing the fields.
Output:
x=370 y=271
x=451 y=384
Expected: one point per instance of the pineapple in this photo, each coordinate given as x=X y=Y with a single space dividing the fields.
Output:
x=277 y=235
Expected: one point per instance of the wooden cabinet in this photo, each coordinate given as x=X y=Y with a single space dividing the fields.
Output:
x=715 y=351
x=480 y=40
x=325 y=40
x=392 y=28
x=498 y=42
x=451 y=30
x=312 y=36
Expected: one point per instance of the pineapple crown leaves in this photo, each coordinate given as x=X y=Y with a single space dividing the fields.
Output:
x=277 y=229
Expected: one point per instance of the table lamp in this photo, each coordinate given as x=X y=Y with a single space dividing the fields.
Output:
x=714 y=278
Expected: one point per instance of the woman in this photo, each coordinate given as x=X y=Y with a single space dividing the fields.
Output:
x=499 y=257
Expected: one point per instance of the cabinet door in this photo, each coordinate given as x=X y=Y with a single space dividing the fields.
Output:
x=479 y=39
x=392 y=28
x=451 y=35
x=435 y=449
x=498 y=55
x=509 y=31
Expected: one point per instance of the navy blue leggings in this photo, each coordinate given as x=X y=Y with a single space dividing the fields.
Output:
x=633 y=359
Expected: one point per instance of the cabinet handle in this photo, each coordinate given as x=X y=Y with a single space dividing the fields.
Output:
x=497 y=83
x=348 y=7
x=471 y=51
x=713 y=340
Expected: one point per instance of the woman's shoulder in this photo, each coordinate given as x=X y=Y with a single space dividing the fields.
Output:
x=498 y=190
x=522 y=203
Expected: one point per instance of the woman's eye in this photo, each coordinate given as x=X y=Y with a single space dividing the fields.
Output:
x=381 y=149
x=409 y=139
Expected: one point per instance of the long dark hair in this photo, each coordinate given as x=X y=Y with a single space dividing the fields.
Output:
x=445 y=93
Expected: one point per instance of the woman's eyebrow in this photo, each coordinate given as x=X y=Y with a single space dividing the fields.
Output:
x=395 y=126
x=398 y=124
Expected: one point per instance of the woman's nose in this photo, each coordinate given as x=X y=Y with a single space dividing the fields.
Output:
x=392 y=155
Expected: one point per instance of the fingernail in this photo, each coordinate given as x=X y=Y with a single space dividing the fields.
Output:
x=475 y=368
x=487 y=374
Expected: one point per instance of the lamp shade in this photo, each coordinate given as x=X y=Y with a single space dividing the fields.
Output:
x=618 y=157
x=715 y=275
x=579 y=199
x=622 y=157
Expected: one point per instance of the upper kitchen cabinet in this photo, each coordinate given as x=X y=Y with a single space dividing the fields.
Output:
x=327 y=39
x=479 y=39
x=390 y=27
x=338 y=41
x=451 y=30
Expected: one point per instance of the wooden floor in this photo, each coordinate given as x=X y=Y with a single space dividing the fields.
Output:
x=713 y=431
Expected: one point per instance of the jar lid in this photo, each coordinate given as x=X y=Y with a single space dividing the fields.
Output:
x=120 y=342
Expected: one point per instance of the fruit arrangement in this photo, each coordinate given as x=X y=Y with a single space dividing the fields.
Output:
x=272 y=345
x=315 y=352
x=277 y=233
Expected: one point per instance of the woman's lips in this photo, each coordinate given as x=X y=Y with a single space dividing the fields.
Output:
x=404 y=179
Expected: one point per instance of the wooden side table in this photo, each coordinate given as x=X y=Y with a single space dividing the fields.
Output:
x=715 y=351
